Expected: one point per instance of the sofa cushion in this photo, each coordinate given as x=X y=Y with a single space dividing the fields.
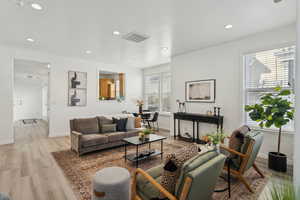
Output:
x=115 y=136
x=121 y=124
x=104 y=120
x=108 y=128
x=130 y=123
x=94 y=139
x=86 y=125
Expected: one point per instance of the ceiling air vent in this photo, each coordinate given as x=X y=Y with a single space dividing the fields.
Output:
x=135 y=37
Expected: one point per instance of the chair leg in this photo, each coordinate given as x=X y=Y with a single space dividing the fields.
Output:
x=258 y=170
x=157 y=125
x=243 y=180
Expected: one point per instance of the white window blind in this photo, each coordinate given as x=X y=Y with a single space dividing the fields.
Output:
x=266 y=70
x=157 y=91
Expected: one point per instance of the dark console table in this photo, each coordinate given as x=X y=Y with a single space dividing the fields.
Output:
x=196 y=119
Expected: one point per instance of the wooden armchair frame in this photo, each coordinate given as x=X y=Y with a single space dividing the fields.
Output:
x=183 y=195
x=245 y=158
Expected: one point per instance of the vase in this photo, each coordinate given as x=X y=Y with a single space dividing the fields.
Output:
x=140 y=109
x=147 y=136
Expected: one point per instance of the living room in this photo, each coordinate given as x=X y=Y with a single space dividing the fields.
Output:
x=151 y=56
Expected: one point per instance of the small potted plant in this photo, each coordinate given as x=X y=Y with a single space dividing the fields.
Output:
x=147 y=133
x=215 y=139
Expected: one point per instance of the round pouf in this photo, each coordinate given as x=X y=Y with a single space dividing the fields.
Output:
x=111 y=183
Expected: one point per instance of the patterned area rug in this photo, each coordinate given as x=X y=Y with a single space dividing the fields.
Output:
x=80 y=170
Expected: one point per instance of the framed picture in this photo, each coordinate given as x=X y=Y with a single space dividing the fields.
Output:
x=201 y=91
x=77 y=90
x=77 y=80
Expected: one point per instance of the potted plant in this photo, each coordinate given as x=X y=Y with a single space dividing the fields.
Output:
x=145 y=134
x=275 y=109
x=216 y=139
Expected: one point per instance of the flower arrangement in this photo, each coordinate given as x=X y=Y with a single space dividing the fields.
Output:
x=216 y=138
x=145 y=133
x=139 y=102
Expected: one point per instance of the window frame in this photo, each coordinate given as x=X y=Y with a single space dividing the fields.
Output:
x=246 y=90
x=160 y=93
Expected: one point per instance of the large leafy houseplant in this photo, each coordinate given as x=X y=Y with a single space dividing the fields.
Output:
x=274 y=109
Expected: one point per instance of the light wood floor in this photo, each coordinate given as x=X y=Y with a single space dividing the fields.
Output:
x=29 y=172
x=27 y=169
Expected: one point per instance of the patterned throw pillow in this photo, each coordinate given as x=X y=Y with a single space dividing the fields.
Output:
x=173 y=165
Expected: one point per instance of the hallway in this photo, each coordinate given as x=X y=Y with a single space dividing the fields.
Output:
x=27 y=169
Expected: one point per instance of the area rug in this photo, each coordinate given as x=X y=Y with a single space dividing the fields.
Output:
x=80 y=170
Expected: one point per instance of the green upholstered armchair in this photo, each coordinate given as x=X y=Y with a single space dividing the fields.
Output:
x=244 y=156
x=197 y=179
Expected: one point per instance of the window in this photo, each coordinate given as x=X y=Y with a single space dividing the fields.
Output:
x=264 y=71
x=157 y=91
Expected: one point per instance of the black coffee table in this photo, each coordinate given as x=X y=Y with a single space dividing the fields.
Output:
x=138 y=156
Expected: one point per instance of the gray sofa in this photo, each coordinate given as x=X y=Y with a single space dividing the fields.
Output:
x=88 y=134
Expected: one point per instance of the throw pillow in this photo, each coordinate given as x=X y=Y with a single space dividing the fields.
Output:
x=121 y=124
x=108 y=128
x=130 y=123
x=86 y=125
x=138 y=122
x=173 y=165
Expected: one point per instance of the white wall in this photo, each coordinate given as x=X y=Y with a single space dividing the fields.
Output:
x=297 y=135
x=27 y=100
x=224 y=63
x=6 y=100
x=60 y=113
x=45 y=103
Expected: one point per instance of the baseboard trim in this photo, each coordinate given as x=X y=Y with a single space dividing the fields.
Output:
x=4 y=141
x=59 y=135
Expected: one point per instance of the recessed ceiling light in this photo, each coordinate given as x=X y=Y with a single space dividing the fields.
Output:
x=88 y=51
x=228 y=26
x=37 y=6
x=48 y=66
x=116 y=33
x=30 y=39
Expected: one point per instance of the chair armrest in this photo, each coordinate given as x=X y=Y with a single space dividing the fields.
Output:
x=233 y=151
x=76 y=141
x=153 y=182
x=76 y=133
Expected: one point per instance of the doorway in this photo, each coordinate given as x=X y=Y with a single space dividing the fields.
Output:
x=31 y=97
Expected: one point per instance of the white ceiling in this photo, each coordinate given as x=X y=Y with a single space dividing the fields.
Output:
x=31 y=72
x=70 y=27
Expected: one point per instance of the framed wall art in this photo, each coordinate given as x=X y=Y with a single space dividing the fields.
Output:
x=201 y=91
x=77 y=90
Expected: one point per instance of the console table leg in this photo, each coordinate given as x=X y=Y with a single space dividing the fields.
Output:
x=162 y=148
x=179 y=134
x=174 y=128
x=197 y=130
x=193 y=131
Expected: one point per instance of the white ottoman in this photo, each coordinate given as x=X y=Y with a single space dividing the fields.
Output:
x=111 y=183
